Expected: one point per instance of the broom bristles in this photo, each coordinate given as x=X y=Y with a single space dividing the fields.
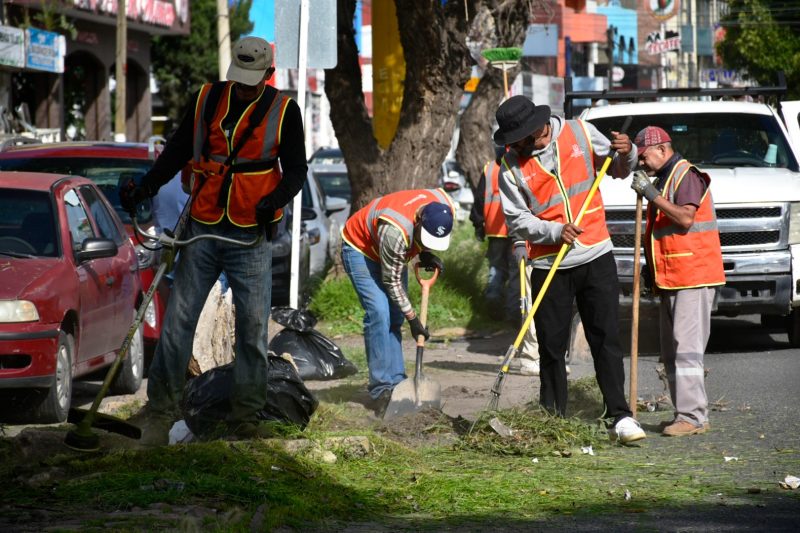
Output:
x=502 y=54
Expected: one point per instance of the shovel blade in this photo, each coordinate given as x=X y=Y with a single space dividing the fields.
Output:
x=408 y=398
x=105 y=422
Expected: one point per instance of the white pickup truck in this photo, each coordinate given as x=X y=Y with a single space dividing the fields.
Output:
x=751 y=151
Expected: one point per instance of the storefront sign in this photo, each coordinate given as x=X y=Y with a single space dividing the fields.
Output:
x=662 y=9
x=658 y=44
x=12 y=47
x=153 y=12
x=45 y=50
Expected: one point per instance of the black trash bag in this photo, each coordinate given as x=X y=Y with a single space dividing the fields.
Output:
x=296 y=319
x=316 y=356
x=206 y=398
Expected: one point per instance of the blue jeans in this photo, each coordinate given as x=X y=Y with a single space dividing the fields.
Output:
x=249 y=272
x=383 y=321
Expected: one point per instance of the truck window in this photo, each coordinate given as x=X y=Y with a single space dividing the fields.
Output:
x=718 y=139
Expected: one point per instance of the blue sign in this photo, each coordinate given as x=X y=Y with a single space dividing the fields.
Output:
x=44 y=50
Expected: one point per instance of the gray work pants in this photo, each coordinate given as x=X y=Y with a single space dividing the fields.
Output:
x=685 y=328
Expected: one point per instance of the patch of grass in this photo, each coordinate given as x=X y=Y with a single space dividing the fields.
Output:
x=456 y=297
x=534 y=433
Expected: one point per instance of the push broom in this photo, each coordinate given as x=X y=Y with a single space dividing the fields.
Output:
x=497 y=389
x=505 y=59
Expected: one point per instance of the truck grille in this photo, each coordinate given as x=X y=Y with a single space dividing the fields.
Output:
x=743 y=228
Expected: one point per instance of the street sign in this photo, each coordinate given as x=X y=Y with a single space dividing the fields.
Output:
x=321 y=25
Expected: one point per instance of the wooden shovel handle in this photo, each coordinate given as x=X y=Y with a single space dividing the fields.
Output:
x=426 y=285
x=637 y=244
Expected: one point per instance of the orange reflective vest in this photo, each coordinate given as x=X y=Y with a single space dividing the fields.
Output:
x=399 y=209
x=559 y=196
x=679 y=258
x=246 y=187
x=494 y=221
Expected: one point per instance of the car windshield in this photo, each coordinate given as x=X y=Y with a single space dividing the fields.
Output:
x=105 y=173
x=717 y=139
x=335 y=184
x=26 y=224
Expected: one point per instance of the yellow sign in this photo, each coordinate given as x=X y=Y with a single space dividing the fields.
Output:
x=388 y=72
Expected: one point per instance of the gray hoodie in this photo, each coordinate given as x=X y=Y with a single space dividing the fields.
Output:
x=525 y=225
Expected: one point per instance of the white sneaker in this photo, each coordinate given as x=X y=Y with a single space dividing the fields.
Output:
x=528 y=367
x=626 y=430
x=568 y=370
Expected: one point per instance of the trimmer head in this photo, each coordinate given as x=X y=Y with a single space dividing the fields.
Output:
x=82 y=441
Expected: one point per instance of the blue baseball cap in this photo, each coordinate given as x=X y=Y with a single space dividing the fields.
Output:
x=436 y=223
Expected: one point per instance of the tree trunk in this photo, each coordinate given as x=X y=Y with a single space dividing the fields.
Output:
x=437 y=67
x=475 y=146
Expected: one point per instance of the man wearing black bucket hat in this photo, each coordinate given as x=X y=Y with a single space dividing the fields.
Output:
x=379 y=240
x=548 y=172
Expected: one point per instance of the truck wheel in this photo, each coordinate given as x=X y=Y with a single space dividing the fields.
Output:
x=131 y=371
x=56 y=404
x=793 y=328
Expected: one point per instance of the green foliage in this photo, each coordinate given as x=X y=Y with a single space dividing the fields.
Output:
x=181 y=64
x=455 y=299
x=761 y=38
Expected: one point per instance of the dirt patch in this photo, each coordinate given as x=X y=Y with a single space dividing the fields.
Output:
x=428 y=427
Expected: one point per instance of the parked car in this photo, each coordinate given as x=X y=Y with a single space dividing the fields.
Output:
x=69 y=289
x=319 y=212
x=104 y=163
x=335 y=183
x=455 y=183
x=281 y=260
x=327 y=155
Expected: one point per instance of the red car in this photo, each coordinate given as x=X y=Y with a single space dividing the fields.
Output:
x=69 y=289
x=104 y=163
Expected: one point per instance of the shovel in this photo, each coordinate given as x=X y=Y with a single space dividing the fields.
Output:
x=637 y=245
x=420 y=392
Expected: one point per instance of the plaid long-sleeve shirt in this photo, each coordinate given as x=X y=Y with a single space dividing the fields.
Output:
x=393 y=250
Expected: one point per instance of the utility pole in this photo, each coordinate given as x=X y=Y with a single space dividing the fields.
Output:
x=223 y=37
x=121 y=72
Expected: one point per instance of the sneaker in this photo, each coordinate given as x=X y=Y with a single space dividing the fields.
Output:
x=626 y=430
x=155 y=426
x=528 y=367
x=682 y=428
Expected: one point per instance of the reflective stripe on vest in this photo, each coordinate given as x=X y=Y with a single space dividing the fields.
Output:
x=547 y=193
x=494 y=221
x=247 y=188
x=399 y=209
x=679 y=258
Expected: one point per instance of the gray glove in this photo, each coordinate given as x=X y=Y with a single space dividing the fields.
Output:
x=642 y=185
x=520 y=251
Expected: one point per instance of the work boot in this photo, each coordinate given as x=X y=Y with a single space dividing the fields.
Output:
x=155 y=426
x=626 y=430
x=682 y=428
x=379 y=404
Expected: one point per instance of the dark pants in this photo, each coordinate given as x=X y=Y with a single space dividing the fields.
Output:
x=595 y=287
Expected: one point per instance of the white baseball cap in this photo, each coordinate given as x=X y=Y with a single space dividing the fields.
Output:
x=251 y=57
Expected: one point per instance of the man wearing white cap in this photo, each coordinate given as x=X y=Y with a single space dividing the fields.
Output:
x=233 y=134
x=379 y=240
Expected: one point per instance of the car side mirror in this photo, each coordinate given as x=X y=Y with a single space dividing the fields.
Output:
x=334 y=204
x=94 y=248
x=308 y=213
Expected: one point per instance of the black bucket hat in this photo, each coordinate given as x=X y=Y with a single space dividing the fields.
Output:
x=517 y=118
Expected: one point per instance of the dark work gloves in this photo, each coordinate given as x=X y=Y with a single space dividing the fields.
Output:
x=480 y=233
x=130 y=195
x=418 y=329
x=431 y=262
x=265 y=213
